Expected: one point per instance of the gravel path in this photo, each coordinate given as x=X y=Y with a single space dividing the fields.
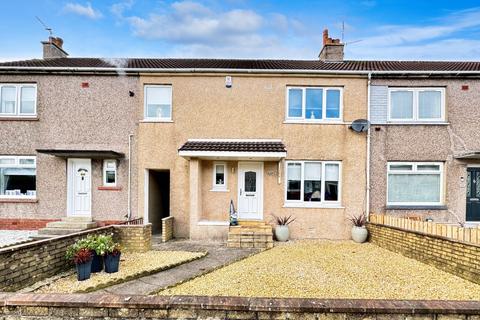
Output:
x=218 y=256
x=11 y=237
x=328 y=269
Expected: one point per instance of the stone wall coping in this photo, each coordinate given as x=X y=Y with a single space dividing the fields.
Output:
x=435 y=236
x=132 y=225
x=54 y=239
x=241 y=303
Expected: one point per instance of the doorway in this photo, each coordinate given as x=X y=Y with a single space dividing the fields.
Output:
x=79 y=188
x=473 y=194
x=250 y=190
x=158 y=198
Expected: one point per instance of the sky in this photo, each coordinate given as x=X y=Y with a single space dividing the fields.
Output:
x=277 y=29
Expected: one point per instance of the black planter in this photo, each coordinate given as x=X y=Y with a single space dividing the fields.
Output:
x=112 y=263
x=97 y=262
x=84 y=270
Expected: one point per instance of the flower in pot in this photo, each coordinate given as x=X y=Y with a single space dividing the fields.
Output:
x=112 y=257
x=82 y=257
x=96 y=246
x=282 y=233
x=359 y=231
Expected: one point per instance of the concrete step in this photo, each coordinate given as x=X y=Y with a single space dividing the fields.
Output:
x=77 y=219
x=251 y=223
x=57 y=231
x=71 y=225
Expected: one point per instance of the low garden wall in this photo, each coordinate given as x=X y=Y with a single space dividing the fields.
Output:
x=457 y=257
x=167 y=229
x=43 y=306
x=24 y=264
x=137 y=238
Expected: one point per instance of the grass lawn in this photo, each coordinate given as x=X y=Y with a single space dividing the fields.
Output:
x=132 y=265
x=328 y=269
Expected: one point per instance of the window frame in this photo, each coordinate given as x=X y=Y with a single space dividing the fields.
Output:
x=215 y=186
x=414 y=170
x=18 y=100
x=415 y=112
x=105 y=169
x=303 y=118
x=313 y=204
x=145 y=105
x=17 y=164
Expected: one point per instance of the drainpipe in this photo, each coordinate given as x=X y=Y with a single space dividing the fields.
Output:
x=367 y=200
x=129 y=197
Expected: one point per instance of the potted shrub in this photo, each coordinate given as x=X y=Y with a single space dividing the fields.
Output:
x=94 y=243
x=112 y=257
x=359 y=231
x=82 y=258
x=282 y=233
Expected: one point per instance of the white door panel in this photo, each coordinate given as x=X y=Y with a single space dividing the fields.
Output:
x=250 y=190
x=79 y=187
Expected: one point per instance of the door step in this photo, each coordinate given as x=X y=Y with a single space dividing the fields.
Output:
x=258 y=235
x=67 y=226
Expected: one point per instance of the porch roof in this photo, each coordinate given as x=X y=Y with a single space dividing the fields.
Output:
x=92 y=154
x=234 y=149
x=472 y=155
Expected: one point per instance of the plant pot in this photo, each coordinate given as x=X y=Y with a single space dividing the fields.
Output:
x=97 y=262
x=359 y=234
x=84 y=270
x=112 y=263
x=282 y=233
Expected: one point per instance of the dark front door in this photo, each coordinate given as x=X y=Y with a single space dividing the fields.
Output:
x=473 y=194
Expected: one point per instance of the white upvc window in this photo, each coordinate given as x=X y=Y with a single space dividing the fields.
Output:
x=110 y=173
x=18 y=177
x=415 y=183
x=219 y=176
x=158 y=103
x=312 y=183
x=416 y=104
x=18 y=100
x=314 y=104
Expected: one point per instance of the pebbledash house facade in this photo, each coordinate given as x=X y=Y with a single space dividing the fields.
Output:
x=114 y=139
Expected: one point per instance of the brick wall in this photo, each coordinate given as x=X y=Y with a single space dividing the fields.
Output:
x=167 y=229
x=24 y=224
x=453 y=256
x=96 y=306
x=25 y=264
x=136 y=238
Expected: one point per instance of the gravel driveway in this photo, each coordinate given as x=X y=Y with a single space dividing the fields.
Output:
x=11 y=237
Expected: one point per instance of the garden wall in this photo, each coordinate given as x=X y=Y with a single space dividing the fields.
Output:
x=137 y=238
x=89 y=307
x=453 y=256
x=24 y=264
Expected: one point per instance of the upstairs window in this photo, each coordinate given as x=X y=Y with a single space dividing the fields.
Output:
x=415 y=183
x=18 y=177
x=314 y=104
x=416 y=104
x=17 y=100
x=110 y=173
x=158 y=103
x=219 y=176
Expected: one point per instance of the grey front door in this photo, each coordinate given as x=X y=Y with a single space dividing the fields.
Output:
x=473 y=194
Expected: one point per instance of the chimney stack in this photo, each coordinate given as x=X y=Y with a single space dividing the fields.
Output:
x=332 y=50
x=53 y=48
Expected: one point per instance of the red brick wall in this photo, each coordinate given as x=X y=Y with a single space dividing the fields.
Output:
x=24 y=224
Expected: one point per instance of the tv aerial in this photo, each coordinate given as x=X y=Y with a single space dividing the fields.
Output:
x=50 y=31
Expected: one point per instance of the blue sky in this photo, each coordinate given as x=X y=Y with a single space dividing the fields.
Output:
x=287 y=29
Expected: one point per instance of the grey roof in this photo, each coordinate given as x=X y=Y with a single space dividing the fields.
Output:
x=234 y=146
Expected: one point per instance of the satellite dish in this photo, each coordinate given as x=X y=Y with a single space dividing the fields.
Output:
x=360 y=125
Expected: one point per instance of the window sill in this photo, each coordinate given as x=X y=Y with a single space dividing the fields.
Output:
x=413 y=207
x=417 y=123
x=110 y=188
x=335 y=122
x=219 y=190
x=18 y=200
x=313 y=205
x=156 y=121
x=13 y=118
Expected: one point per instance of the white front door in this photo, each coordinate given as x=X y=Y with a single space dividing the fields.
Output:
x=79 y=185
x=250 y=190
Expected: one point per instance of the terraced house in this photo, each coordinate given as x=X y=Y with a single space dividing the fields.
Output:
x=109 y=139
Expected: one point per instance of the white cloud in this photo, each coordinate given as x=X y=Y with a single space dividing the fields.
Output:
x=86 y=10
x=119 y=8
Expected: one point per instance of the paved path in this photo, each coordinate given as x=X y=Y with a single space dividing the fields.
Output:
x=218 y=256
x=11 y=237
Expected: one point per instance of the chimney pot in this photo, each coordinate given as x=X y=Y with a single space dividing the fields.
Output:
x=332 y=50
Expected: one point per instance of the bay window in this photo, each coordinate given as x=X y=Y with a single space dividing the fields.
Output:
x=17 y=100
x=415 y=183
x=314 y=104
x=18 y=177
x=312 y=183
x=416 y=104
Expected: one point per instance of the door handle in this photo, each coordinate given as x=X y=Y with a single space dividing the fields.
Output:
x=474 y=199
x=82 y=193
x=240 y=191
